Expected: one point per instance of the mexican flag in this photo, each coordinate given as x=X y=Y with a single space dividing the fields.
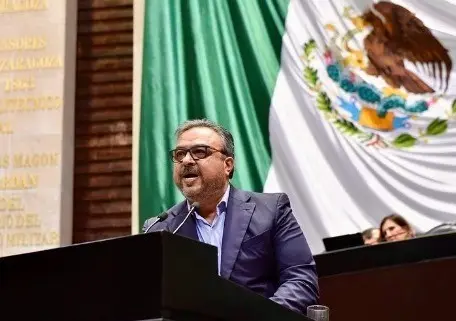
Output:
x=346 y=106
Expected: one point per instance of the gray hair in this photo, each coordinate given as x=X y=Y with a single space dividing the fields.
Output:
x=225 y=135
x=368 y=233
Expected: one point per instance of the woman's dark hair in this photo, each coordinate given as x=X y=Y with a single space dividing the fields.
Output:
x=399 y=220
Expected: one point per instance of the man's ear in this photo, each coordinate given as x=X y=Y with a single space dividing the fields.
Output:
x=229 y=165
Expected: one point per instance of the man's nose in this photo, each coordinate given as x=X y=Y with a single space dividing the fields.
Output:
x=188 y=159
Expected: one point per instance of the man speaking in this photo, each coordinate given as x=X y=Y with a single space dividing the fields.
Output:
x=260 y=244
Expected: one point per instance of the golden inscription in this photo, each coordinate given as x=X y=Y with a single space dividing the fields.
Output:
x=19 y=182
x=6 y=221
x=4 y=161
x=32 y=239
x=27 y=220
x=33 y=160
x=10 y=221
x=30 y=63
x=11 y=204
x=30 y=103
x=11 y=6
x=6 y=128
x=18 y=84
x=36 y=160
x=23 y=43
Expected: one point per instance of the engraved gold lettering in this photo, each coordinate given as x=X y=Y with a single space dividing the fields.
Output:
x=32 y=239
x=4 y=161
x=36 y=160
x=12 y=6
x=30 y=103
x=6 y=128
x=18 y=84
x=26 y=220
x=10 y=204
x=23 y=43
x=30 y=63
x=6 y=221
x=19 y=182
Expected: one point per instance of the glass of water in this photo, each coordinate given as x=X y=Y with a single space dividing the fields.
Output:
x=318 y=312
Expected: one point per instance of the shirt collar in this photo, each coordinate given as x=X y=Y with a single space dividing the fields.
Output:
x=222 y=205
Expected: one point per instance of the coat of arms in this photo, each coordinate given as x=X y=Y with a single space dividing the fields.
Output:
x=385 y=80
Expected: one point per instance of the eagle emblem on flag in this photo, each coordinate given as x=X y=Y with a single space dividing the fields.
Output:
x=398 y=35
x=381 y=79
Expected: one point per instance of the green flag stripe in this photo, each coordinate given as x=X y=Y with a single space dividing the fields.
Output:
x=215 y=59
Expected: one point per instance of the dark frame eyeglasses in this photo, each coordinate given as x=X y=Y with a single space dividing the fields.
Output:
x=196 y=152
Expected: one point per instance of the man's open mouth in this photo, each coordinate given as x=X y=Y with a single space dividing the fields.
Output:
x=190 y=175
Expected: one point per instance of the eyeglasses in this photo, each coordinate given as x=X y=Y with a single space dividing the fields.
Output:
x=196 y=152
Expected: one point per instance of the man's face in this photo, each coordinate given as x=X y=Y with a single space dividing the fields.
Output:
x=199 y=179
x=374 y=239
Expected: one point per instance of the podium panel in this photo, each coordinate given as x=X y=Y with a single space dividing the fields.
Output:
x=154 y=276
x=405 y=280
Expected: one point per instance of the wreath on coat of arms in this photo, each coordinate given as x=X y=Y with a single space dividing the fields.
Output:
x=368 y=91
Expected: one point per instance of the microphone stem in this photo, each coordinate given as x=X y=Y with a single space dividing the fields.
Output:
x=185 y=219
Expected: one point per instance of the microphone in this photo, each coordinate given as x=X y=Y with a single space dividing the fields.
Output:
x=195 y=207
x=160 y=218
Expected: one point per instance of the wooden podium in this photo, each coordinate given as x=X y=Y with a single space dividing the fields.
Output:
x=154 y=276
x=411 y=280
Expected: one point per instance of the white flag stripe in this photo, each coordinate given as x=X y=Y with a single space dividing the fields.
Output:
x=337 y=183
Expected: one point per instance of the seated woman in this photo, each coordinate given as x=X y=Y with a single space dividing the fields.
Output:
x=395 y=228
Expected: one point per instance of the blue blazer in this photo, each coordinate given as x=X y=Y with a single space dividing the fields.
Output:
x=263 y=247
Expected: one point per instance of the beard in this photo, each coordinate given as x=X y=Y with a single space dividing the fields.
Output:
x=198 y=188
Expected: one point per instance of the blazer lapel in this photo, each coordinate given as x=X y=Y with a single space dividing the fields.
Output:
x=237 y=219
x=188 y=229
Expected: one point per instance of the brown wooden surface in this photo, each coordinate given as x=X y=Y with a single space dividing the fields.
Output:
x=411 y=292
x=103 y=142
